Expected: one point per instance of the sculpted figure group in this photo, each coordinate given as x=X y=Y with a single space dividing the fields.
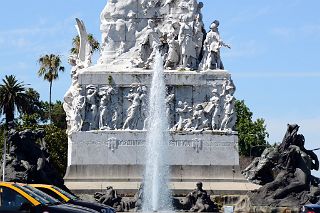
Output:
x=285 y=173
x=196 y=201
x=173 y=27
x=185 y=48
x=73 y=100
x=112 y=108
x=216 y=114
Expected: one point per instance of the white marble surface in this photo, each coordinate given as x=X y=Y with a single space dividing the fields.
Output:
x=127 y=148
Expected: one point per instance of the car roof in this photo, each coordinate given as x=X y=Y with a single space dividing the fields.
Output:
x=50 y=187
x=21 y=192
x=41 y=185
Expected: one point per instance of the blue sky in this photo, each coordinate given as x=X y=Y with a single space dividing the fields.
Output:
x=274 y=58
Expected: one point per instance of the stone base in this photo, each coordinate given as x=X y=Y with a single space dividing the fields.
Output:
x=100 y=158
x=134 y=173
x=214 y=187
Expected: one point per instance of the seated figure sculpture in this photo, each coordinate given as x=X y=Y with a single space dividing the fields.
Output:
x=198 y=201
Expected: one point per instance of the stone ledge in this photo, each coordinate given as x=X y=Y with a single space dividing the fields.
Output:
x=102 y=75
x=216 y=188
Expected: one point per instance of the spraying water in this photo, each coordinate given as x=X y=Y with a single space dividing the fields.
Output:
x=157 y=196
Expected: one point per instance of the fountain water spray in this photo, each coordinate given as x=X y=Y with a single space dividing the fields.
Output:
x=157 y=196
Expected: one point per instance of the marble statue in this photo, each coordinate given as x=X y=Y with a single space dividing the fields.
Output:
x=230 y=118
x=79 y=61
x=183 y=110
x=187 y=45
x=91 y=105
x=212 y=44
x=213 y=109
x=136 y=31
x=172 y=58
x=136 y=110
x=131 y=28
x=105 y=117
x=170 y=109
x=199 y=118
x=78 y=112
x=198 y=35
x=150 y=43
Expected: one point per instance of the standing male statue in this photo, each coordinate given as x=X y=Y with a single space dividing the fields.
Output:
x=211 y=47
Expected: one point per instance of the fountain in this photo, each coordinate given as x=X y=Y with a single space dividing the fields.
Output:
x=157 y=165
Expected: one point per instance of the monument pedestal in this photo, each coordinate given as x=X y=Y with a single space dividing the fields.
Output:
x=101 y=158
x=200 y=151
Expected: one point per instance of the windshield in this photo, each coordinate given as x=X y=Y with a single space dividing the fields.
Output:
x=33 y=195
x=68 y=195
x=43 y=195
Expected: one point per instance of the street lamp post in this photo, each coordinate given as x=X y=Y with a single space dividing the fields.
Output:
x=4 y=156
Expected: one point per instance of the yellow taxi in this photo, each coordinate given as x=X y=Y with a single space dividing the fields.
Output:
x=55 y=192
x=15 y=197
x=66 y=197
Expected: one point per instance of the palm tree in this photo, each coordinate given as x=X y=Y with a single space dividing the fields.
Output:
x=50 y=65
x=13 y=97
x=76 y=44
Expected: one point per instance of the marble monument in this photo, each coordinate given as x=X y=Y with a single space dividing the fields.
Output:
x=106 y=105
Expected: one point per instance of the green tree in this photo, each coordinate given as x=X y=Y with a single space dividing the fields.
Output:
x=59 y=115
x=13 y=97
x=252 y=134
x=35 y=103
x=76 y=44
x=50 y=65
x=57 y=143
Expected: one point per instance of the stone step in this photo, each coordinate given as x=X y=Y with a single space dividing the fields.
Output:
x=179 y=188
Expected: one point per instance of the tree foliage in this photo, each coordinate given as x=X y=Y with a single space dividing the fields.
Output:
x=57 y=143
x=252 y=134
x=13 y=96
x=50 y=66
x=76 y=44
x=58 y=115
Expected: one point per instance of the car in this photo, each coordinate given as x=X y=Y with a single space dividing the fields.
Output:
x=15 y=197
x=311 y=208
x=66 y=197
